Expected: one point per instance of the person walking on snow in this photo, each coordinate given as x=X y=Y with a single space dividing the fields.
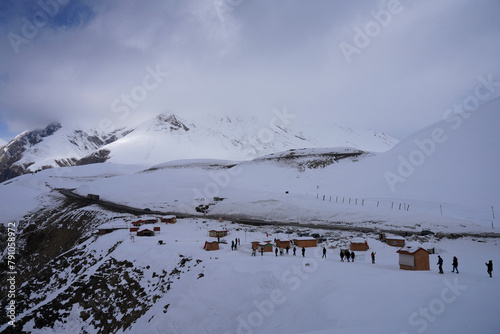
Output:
x=341 y=255
x=440 y=264
x=455 y=264
x=232 y=245
x=276 y=251
x=347 y=255
x=254 y=251
x=294 y=250
x=490 y=267
x=373 y=257
x=261 y=251
x=324 y=253
x=353 y=256
x=303 y=252
x=287 y=248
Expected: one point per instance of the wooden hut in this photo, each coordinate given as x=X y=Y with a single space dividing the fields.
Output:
x=169 y=219
x=156 y=229
x=134 y=229
x=268 y=247
x=283 y=243
x=413 y=258
x=359 y=244
x=217 y=234
x=145 y=233
x=395 y=241
x=305 y=242
x=211 y=245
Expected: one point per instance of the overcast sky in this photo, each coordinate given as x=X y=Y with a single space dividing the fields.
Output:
x=393 y=66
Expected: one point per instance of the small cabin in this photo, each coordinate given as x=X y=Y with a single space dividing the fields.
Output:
x=217 y=234
x=145 y=233
x=395 y=241
x=134 y=229
x=169 y=219
x=258 y=245
x=156 y=229
x=211 y=245
x=359 y=244
x=413 y=258
x=305 y=242
x=283 y=243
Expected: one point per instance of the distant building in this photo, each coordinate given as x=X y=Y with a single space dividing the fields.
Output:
x=258 y=245
x=211 y=245
x=217 y=234
x=145 y=233
x=359 y=244
x=395 y=241
x=169 y=219
x=413 y=258
x=305 y=242
x=283 y=243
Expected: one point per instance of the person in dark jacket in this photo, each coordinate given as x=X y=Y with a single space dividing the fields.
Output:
x=324 y=253
x=490 y=267
x=440 y=264
x=303 y=252
x=341 y=255
x=353 y=256
x=347 y=255
x=455 y=264
x=373 y=257
x=276 y=251
x=294 y=250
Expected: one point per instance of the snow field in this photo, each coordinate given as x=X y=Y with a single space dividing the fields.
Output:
x=290 y=294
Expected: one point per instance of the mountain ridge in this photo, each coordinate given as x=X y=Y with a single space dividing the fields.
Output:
x=168 y=137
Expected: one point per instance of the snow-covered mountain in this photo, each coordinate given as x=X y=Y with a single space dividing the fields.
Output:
x=166 y=138
x=2 y=143
x=53 y=146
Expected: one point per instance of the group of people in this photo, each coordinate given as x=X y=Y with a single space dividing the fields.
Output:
x=347 y=255
x=282 y=251
x=235 y=243
x=454 y=263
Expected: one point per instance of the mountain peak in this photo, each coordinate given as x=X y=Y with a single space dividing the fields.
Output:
x=174 y=122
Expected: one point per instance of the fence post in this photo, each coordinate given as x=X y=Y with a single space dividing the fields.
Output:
x=337 y=199
x=392 y=205
x=323 y=197
x=493 y=212
x=441 y=209
x=356 y=203
x=377 y=203
x=363 y=203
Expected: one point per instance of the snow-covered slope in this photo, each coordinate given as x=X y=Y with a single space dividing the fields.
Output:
x=54 y=146
x=2 y=143
x=166 y=138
